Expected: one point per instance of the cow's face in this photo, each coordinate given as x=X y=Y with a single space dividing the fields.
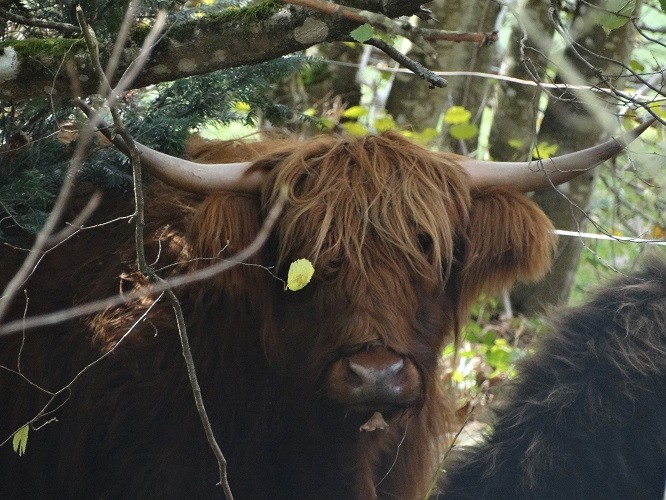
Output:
x=381 y=225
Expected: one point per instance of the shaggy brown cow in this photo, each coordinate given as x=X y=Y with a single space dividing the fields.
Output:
x=586 y=418
x=402 y=240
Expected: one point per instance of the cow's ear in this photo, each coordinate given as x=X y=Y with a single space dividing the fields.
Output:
x=222 y=225
x=508 y=238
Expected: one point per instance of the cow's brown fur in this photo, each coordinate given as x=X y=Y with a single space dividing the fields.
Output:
x=401 y=246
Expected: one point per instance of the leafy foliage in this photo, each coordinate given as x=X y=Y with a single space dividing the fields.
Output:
x=460 y=127
x=165 y=116
x=616 y=14
x=161 y=117
x=491 y=345
x=363 y=33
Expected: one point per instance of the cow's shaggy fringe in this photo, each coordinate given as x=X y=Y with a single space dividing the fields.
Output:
x=586 y=418
x=401 y=247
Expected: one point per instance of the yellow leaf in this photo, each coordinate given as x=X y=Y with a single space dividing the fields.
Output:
x=457 y=114
x=355 y=112
x=240 y=107
x=544 y=150
x=385 y=123
x=300 y=273
x=354 y=128
x=463 y=131
x=658 y=232
x=20 y=440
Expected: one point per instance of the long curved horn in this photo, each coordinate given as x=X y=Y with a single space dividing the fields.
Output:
x=541 y=174
x=200 y=177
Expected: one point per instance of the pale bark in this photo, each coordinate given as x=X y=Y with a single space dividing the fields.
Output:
x=571 y=125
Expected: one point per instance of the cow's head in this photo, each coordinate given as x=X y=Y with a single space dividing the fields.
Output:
x=402 y=240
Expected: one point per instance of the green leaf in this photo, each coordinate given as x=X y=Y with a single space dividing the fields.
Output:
x=637 y=66
x=363 y=33
x=616 y=14
x=499 y=356
x=464 y=131
x=457 y=114
x=325 y=124
x=20 y=440
x=423 y=137
x=299 y=274
x=663 y=5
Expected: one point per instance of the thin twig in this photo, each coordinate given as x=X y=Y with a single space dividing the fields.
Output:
x=77 y=222
x=146 y=270
x=393 y=27
x=415 y=67
x=121 y=38
x=39 y=23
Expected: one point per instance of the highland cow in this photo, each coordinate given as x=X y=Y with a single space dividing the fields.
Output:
x=586 y=418
x=402 y=240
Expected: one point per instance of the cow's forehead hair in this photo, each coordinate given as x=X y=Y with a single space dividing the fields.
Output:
x=347 y=197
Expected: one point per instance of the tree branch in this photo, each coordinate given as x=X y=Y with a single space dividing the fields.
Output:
x=39 y=23
x=223 y=39
x=415 y=67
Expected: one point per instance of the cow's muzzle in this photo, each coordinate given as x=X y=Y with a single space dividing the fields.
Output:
x=375 y=379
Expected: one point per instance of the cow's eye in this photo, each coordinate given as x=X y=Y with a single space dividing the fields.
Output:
x=330 y=269
x=425 y=243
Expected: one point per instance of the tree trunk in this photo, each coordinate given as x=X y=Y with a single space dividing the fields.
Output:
x=418 y=106
x=571 y=124
x=516 y=105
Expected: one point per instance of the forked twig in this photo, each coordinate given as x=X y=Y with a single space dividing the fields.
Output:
x=142 y=264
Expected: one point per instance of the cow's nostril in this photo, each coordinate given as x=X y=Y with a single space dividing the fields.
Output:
x=373 y=376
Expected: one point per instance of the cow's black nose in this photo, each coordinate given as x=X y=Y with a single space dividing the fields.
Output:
x=376 y=378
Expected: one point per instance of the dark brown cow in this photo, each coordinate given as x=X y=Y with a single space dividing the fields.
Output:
x=402 y=240
x=586 y=417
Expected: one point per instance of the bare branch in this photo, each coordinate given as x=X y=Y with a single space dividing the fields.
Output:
x=139 y=224
x=39 y=23
x=415 y=67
